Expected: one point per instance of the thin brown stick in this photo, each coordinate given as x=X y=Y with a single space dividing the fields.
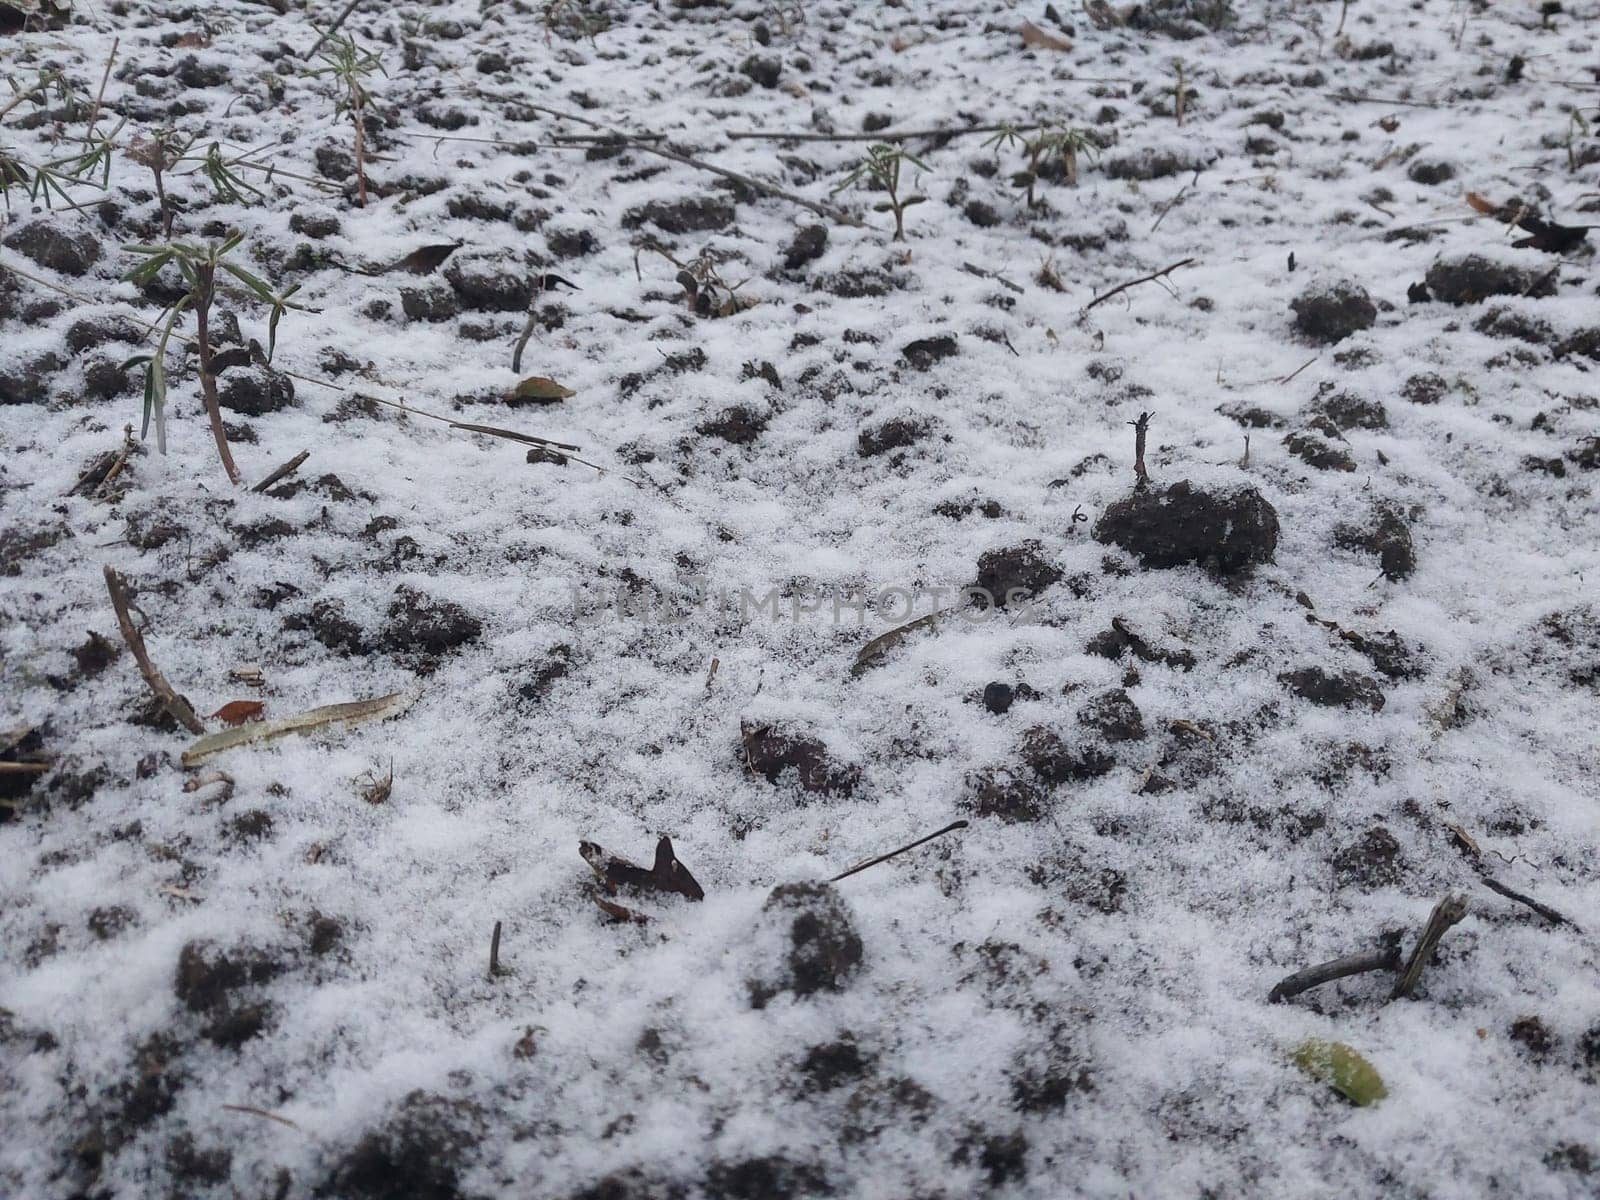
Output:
x=1445 y=914
x=100 y=96
x=1339 y=968
x=824 y=210
x=288 y=468
x=1168 y=206
x=1359 y=98
x=260 y=1112
x=494 y=952
x=208 y=378
x=886 y=135
x=120 y=462
x=872 y=862
x=1132 y=283
x=154 y=679
x=24 y=768
x=1141 y=430
x=1544 y=910
x=332 y=29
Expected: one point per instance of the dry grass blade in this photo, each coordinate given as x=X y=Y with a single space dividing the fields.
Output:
x=263 y=731
x=884 y=642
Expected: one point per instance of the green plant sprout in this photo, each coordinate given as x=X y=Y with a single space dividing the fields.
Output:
x=349 y=65
x=1045 y=142
x=573 y=19
x=881 y=167
x=199 y=266
x=48 y=182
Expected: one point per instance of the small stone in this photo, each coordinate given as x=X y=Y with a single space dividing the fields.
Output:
x=1431 y=171
x=997 y=698
x=764 y=69
x=434 y=303
x=490 y=285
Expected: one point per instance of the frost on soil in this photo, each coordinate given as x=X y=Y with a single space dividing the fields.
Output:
x=1338 y=658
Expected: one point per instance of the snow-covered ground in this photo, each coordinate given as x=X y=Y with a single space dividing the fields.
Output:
x=275 y=983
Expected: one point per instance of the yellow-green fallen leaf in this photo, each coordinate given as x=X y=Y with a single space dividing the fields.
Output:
x=1342 y=1069
x=542 y=389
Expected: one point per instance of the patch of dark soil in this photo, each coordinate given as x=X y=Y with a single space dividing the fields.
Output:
x=1387 y=534
x=769 y=752
x=424 y=629
x=1334 y=689
x=1228 y=529
x=1330 y=312
x=419 y=1153
x=1013 y=574
x=1469 y=278
x=823 y=949
x=704 y=214
x=1372 y=861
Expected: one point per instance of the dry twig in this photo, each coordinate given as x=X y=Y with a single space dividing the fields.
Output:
x=157 y=682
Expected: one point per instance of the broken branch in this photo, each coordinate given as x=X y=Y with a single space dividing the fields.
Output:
x=1132 y=283
x=154 y=679
x=1445 y=914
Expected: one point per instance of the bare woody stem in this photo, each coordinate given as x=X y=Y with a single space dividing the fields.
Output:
x=153 y=678
x=1141 y=429
x=1339 y=968
x=1445 y=914
x=361 y=148
x=208 y=379
x=161 y=199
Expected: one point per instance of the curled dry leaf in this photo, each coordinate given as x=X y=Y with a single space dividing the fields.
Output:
x=618 y=912
x=667 y=875
x=1037 y=39
x=540 y=390
x=874 y=650
x=237 y=712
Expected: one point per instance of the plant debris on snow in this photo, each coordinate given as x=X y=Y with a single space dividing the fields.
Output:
x=1080 y=521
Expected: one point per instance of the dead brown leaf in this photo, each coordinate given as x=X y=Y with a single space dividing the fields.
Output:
x=1035 y=38
x=667 y=875
x=237 y=712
